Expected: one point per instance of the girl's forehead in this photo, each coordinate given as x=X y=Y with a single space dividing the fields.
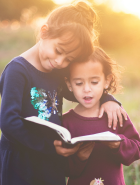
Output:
x=88 y=68
x=69 y=43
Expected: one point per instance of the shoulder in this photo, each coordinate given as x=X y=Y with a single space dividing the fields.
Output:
x=67 y=116
x=15 y=73
x=16 y=65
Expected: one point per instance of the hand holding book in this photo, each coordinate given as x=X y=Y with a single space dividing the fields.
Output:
x=66 y=151
x=112 y=145
x=66 y=136
x=85 y=150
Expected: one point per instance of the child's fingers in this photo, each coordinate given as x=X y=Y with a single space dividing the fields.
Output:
x=112 y=144
x=101 y=111
x=85 y=146
x=57 y=143
x=84 y=153
x=120 y=119
x=115 y=120
x=70 y=151
x=123 y=112
x=65 y=151
x=90 y=143
x=109 y=115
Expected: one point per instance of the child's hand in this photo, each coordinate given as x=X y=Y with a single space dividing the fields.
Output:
x=112 y=145
x=85 y=151
x=65 y=151
x=114 y=112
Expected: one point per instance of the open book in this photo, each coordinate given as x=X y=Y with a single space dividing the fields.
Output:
x=66 y=136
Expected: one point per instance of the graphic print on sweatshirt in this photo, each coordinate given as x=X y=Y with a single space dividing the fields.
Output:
x=45 y=102
x=97 y=182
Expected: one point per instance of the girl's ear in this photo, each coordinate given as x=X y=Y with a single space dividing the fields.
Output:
x=44 y=29
x=108 y=81
x=68 y=84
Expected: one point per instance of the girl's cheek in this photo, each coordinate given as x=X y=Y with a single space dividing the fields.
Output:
x=65 y=65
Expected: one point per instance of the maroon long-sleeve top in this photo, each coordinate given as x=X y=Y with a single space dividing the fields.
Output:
x=104 y=162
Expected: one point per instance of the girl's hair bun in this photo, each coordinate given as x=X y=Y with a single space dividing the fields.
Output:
x=89 y=16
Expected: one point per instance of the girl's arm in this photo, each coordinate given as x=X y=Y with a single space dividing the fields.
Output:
x=129 y=149
x=108 y=104
x=13 y=86
x=73 y=164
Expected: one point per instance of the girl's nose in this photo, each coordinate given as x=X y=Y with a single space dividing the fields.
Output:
x=59 y=61
x=87 y=88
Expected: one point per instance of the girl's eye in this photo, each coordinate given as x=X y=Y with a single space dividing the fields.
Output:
x=94 y=83
x=68 y=60
x=58 y=52
x=78 y=84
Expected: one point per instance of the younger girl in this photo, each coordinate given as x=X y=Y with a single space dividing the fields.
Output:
x=32 y=85
x=88 y=81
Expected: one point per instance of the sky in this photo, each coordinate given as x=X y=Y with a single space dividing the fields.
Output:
x=127 y=6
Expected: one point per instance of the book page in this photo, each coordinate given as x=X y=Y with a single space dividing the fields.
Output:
x=103 y=136
x=63 y=132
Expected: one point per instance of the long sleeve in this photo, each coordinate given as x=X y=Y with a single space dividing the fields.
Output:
x=108 y=97
x=129 y=149
x=13 y=87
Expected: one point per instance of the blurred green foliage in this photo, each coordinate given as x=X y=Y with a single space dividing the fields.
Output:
x=119 y=36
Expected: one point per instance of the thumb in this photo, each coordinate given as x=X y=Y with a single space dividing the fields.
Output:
x=101 y=111
x=57 y=143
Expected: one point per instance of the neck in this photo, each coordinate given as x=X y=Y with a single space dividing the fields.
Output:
x=88 y=112
x=32 y=56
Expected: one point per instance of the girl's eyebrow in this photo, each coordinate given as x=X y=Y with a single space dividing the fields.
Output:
x=76 y=79
x=67 y=52
x=94 y=77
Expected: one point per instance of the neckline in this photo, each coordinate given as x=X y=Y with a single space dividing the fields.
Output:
x=86 y=118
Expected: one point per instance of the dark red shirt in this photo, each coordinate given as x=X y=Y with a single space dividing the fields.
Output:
x=104 y=163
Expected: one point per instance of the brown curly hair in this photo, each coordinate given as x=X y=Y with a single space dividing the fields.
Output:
x=110 y=67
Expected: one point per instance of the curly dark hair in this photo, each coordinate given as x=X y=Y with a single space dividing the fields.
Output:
x=110 y=67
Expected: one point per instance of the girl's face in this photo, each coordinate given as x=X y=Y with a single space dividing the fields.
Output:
x=87 y=81
x=55 y=54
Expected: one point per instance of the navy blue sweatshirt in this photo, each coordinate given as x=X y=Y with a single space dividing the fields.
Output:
x=28 y=148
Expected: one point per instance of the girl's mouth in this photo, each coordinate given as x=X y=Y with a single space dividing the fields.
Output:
x=51 y=64
x=88 y=99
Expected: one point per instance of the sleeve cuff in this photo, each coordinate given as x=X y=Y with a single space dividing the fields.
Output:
x=108 y=97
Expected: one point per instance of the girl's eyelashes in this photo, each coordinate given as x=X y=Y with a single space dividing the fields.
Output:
x=58 y=52
x=69 y=60
x=79 y=83
x=94 y=83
